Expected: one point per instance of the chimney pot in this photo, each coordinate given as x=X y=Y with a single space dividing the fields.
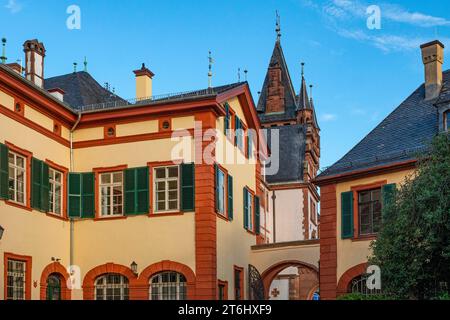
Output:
x=34 y=61
x=433 y=59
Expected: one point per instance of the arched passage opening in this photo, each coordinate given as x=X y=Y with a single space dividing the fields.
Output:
x=290 y=280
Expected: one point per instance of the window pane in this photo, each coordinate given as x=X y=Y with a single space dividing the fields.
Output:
x=173 y=172
x=117 y=177
x=105 y=178
x=160 y=173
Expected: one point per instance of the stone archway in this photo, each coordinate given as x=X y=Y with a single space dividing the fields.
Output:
x=348 y=276
x=55 y=268
x=269 y=275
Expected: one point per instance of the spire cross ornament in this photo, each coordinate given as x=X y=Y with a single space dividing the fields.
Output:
x=278 y=26
x=211 y=61
x=85 y=64
x=3 y=57
x=245 y=74
x=303 y=68
x=310 y=91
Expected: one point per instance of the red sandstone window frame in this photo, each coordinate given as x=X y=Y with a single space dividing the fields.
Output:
x=28 y=156
x=151 y=167
x=65 y=172
x=224 y=285
x=28 y=272
x=97 y=172
x=356 y=189
x=241 y=282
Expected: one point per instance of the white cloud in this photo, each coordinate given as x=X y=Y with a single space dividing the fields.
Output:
x=13 y=6
x=326 y=117
x=344 y=9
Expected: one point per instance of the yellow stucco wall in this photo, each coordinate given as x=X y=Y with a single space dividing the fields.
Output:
x=88 y=134
x=38 y=118
x=233 y=241
x=6 y=100
x=134 y=128
x=351 y=253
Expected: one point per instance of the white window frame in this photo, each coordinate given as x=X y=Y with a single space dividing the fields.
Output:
x=17 y=169
x=111 y=185
x=166 y=179
x=240 y=137
x=53 y=184
x=16 y=276
x=178 y=285
x=222 y=193
x=105 y=286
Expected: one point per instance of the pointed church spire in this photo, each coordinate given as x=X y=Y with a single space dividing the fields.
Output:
x=303 y=101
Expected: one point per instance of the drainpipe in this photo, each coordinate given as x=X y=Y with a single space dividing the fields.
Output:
x=273 y=217
x=71 y=170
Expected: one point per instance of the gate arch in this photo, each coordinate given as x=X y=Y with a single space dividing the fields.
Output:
x=269 y=275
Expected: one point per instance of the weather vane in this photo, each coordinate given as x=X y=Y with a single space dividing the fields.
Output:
x=278 y=24
x=211 y=61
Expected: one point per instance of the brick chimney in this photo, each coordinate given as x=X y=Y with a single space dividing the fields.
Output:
x=143 y=82
x=34 y=61
x=433 y=59
x=275 y=90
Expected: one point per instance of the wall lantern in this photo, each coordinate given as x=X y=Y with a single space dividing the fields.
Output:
x=134 y=267
x=1 y=232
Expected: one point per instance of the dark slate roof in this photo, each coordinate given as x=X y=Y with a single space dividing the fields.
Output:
x=444 y=97
x=291 y=153
x=80 y=89
x=290 y=96
x=399 y=137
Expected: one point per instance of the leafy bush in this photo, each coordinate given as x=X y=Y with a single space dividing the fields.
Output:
x=359 y=296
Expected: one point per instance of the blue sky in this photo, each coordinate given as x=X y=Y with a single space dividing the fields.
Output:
x=359 y=75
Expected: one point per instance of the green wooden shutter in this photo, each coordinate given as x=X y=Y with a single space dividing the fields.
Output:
x=130 y=191
x=347 y=215
x=388 y=194
x=236 y=128
x=87 y=195
x=249 y=144
x=226 y=119
x=245 y=208
x=216 y=185
x=257 y=216
x=142 y=190
x=74 y=195
x=230 y=198
x=36 y=181
x=45 y=187
x=4 y=171
x=187 y=187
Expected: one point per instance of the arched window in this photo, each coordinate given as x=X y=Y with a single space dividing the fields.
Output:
x=111 y=286
x=54 y=287
x=168 y=286
x=359 y=285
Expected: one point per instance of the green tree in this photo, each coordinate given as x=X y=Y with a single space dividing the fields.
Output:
x=413 y=246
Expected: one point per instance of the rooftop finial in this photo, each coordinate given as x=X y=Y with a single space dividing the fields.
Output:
x=303 y=69
x=3 y=57
x=239 y=74
x=85 y=64
x=310 y=91
x=75 y=67
x=245 y=73
x=211 y=61
x=278 y=26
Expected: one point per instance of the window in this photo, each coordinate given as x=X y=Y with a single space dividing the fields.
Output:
x=369 y=206
x=56 y=187
x=166 y=189
x=17 y=178
x=447 y=120
x=222 y=288
x=111 y=191
x=238 y=281
x=221 y=192
x=111 y=287
x=54 y=287
x=249 y=211
x=168 y=286
x=15 y=286
x=359 y=285
x=313 y=212
x=240 y=137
